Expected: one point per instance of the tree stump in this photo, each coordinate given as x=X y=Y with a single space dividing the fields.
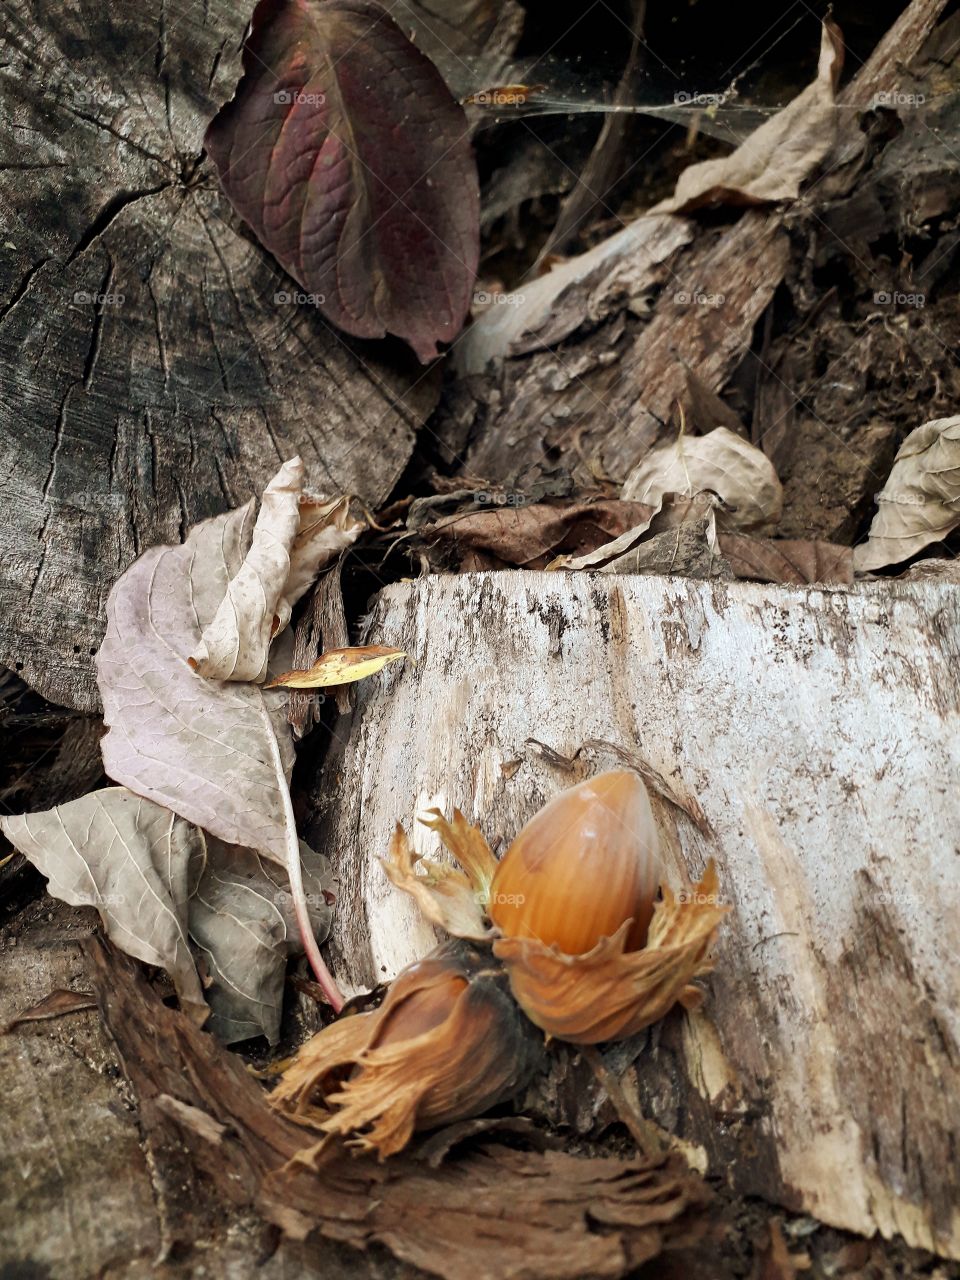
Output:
x=817 y=730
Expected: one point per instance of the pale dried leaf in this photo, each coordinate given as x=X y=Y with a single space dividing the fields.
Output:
x=241 y=919
x=719 y=462
x=235 y=643
x=340 y=666
x=218 y=754
x=920 y=503
x=133 y=861
x=772 y=163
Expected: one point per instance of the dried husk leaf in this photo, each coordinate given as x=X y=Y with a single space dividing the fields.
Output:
x=454 y=900
x=480 y=1053
x=340 y=666
x=610 y=993
x=920 y=503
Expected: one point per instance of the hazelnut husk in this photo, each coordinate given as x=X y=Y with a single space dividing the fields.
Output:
x=571 y=910
x=447 y=1044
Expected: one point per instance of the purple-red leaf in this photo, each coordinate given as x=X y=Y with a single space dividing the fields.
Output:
x=349 y=158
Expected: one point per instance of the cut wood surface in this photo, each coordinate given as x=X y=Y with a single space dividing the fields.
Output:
x=817 y=728
x=155 y=363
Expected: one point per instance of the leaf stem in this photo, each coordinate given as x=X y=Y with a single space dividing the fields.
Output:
x=295 y=875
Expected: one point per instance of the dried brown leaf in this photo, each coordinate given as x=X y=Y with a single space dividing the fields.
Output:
x=54 y=1005
x=788 y=560
x=529 y=536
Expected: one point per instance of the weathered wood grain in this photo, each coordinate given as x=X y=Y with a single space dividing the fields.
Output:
x=74 y=1183
x=154 y=365
x=818 y=728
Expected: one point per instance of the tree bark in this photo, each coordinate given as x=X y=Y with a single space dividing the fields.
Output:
x=154 y=364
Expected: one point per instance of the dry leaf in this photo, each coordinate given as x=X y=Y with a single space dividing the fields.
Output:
x=775 y=159
x=132 y=860
x=689 y=549
x=920 y=503
x=340 y=666
x=241 y=919
x=292 y=540
x=217 y=753
x=529 y=536
x=54 y=1005
x=719 y=462
x=789 y=560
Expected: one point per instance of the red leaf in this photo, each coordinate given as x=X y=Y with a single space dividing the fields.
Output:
x=349 y=158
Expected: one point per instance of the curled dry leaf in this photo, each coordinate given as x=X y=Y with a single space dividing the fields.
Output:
x=350 y=159
x=218 y=753
x=775 y=159
x=340 y=666
x=54 y=1005
x=293 y=539
x=719 y=462
x=920 y=503
x=611 y=992
x=132 y=860
x=447 y=1043
x=454 y=900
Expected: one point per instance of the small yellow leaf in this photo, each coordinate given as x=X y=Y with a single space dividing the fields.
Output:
x=340 y=666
